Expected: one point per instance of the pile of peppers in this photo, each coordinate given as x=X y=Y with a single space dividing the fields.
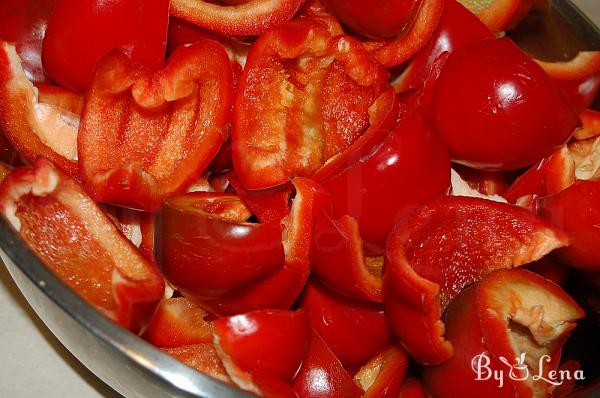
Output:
x=311 y=199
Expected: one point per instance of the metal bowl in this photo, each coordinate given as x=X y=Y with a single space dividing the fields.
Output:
x=124 y=361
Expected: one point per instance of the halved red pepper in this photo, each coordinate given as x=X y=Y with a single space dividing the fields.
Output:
x=263 y=350
x=444 y=246
x=354 y=330
x=146 y=135
x=322 y=374
x=35 y=129
x=304 y=97
x=79 y=243
x=252 y=17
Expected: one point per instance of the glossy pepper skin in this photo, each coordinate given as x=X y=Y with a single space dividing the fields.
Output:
x=136 y=27
x=484 y=102
x=146 y=135
x=263 y=350
x=80 y=244
x=409 y=154
x=380 y=19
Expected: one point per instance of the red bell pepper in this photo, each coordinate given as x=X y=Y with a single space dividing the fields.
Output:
x=322 y=374
x=383 y=376
x=253 y=17
x=398 y=50
x=505 y=324
x=263 y=350
x=79 y=243
x=81 y=32
x=23 y=22
x=457 y=28
x=281 y=289
x=578 y=78
x=179 y=321
x=551 y=175
x=354 y=330
x=590 y=125
x=202 y=357
x=207 y=249
x=304 y=97
x=409 y=155
x=444 y=246
x=337 y=259
x=58 y=96
x=33 y=128
x=144 y=135
x=575 y=210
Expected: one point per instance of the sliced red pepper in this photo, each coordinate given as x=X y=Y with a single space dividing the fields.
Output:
x=396 y=51
x=253 y=17
x=33 y=128
x=263 y=349
x=338 y=260
x=457 y=28
x=281 y=289
x=178 y=321
x=409 y=155
x=506 y=322
x=202 y=357
x=322 y=374
x=207 y=250
x=77 y=241
x=575 y=210
x=267 y=205
x=579 y=78
x=586 y=156
x=354 y=330
x=382 y=376
x=315 y=11
x=305 y=97
x=137 y=226
x=551 y=175
x=146 y=135
x=444 y=246
x=590 y=120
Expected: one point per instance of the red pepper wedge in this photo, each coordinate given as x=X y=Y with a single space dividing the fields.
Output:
x=383 y=375
x=253 y=17
x=263 y=349
x=33 y=128
x=207 y=251
x=322 y=374
x=338 y=260
x=441 y=247
x=575 y=210
x=80 y=244
x=354 y=330
x=281 y=289
x=304 y=97
x=145 y=135
x=81 y=32
x=398 y=50
x=179 y=321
